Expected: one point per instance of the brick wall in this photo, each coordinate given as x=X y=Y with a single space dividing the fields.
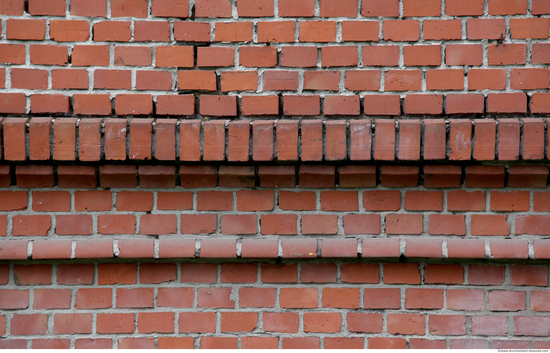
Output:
x=264 y=305
x=255 y=58
x=274 y=174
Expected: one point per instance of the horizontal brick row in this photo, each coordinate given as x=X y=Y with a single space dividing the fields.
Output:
x=244 y=341
x=370 y=304
x=220 y=106
x=270 y=176
x=111 y=139
x=273 y=248
x=267 y=8
x=518 y=277
x=268 y=200
x=136 y=30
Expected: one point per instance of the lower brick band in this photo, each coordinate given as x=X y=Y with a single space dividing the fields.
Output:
x=305 y=304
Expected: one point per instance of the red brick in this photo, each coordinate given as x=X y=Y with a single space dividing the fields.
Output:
x=484 y=176
x=29 y=78
x=170 y=8
x=260 y=248
x=72 y=323
x=181 y=56
x=485 y=274
x=175 y=297
x=406 y=324
x=442 y=29
x=526 y=326
x=289 y=8
x=489 y=225
x=238 y=321
x=318 y=273
x=539 y=300
x=359 y=31
x=157 y=273
x=341 y=298
x=134 y=297
x=523 y=28
x=158 y=176
x=317 y=31
x=14 y=299
x=112 y=31
x=214 y=298
x=199 y=273
x=136 y=343
x=298 y=298
x=86 y=249
x=239 y=273
x=447 y=224
x=12 y=8
x=529 y=275
x=51 y=249
x=89 y=8
x=280 y=322
x=258 y=298
x=217 y=106
x=404 y=224
x=480 y=79
x=484 y=140
x=177 y=248
x=465 y=299
x=449 y=325
x=464 y=54
x=233 y=31
x=387 y=343
x=136 y=248
x=175 y=342
x=129 y=8
x=116 y=224
x=528 y=176
x=148 y=31
x=339 y=248
x=399 y=176
x=461 y=200
x=322 y=322
x=401 y=273
x=93 y=298
x=191 y=31
x=25 y=29
x=271 y=273
x=30 y=324
x=156 y=322
x=501 y=300
x=278 y=224
x=115 y=323
x=319 y=224
x=116 y=273
x=420 y=298
x=429 y=248
x=13 y=53
x=219 y=342
x=75 y=274
x=444 y=274
x=403 y=80
x=265 y=105
x=158 y=224
x=507 y=54
x=387 y=55
x=401 y=30
x=219 y=248
x=276 y=32
x=541 y=201
x=505 y=103
x=31 y=225
x=511 y=344
x=362 y=224
x=201 y=322
x=533 y=146
x=510 y=201
x=52 y=299
x=51 y=343
x=364 y=322
x=153 y=80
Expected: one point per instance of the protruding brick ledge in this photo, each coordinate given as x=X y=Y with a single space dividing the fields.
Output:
x=304 y=176
x=273 y=248
x=111 y=139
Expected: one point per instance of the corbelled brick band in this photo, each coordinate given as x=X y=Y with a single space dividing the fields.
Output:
x=116 y=139
x=274 y=174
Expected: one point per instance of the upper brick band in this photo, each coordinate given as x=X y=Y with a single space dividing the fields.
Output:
x=92 y=140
